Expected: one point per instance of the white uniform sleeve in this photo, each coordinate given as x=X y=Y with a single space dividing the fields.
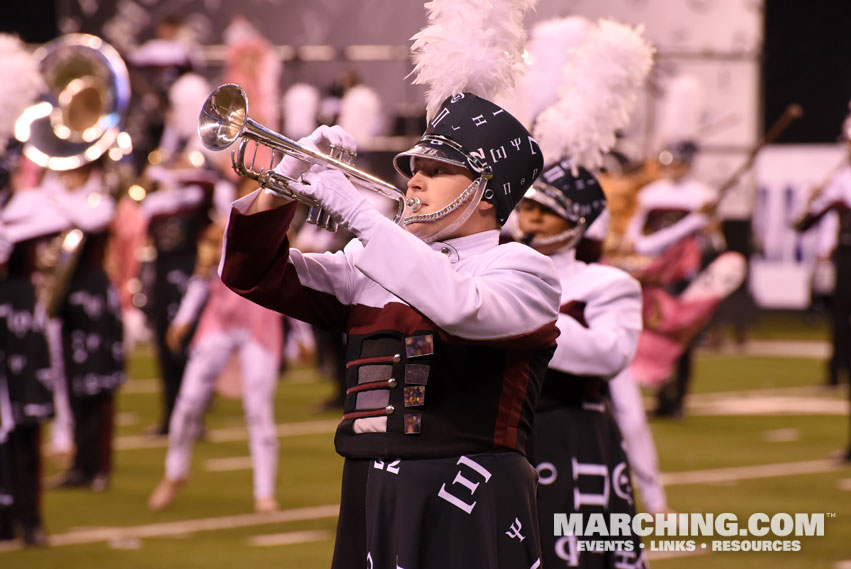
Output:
x=29 y=214
x=628 y=410
x=828 y=234
x=193 y=301
x=609 y=342
x=516 y=294
x=90 y=211
x=657 y=242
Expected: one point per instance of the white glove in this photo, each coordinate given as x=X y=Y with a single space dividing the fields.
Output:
x=341 y=199
x=320 y=140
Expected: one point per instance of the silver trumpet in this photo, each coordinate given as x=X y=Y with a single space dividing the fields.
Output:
x=224 y=120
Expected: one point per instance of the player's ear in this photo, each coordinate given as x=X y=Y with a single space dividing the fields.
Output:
x=486 y=206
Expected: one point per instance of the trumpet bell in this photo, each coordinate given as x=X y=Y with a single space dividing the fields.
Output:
x=223 y=117
x=78 y=118
x=224 y=120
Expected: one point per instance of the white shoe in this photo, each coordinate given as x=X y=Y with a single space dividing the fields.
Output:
x=266 y=505
x=164 y=494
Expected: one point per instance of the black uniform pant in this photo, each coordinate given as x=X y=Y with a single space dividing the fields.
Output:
x=671 y=396
x=93 y=429
x=583 y=470
x=450 y=513
x=171 y=370
x=841 y=360
x=20 y=468
x=172 y=270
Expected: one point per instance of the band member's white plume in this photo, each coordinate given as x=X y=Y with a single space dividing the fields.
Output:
x=550 y=44
x=600 y=83
x=682 y=111
x=469 y=45
x=22 y=83
x=300 y=105
x=360 y=113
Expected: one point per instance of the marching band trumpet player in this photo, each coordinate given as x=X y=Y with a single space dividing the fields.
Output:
x=448 y=332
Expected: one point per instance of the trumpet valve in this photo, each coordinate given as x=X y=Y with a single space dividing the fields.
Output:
x=414 y=204
x=321 y=218
x=341 y=154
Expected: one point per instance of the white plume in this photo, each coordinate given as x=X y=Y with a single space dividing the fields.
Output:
x=600 y=84
x=360 y=113
x=300 y=106
x=22 y=83
x=682 y=110
x=187 y=96
x=469 y=45
x=550 y=44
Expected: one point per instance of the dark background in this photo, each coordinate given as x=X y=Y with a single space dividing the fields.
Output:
x=807 y=60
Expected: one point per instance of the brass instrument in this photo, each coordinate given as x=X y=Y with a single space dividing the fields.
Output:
x=224 y=120
x=76 y=121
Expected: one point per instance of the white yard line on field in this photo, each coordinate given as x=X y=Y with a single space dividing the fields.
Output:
x=290 y=538
x=766 y=405
x=171 y=529
x=227 y=464
x=810 y=349
x=327 y=426
x=149 y=385
x=734 y=473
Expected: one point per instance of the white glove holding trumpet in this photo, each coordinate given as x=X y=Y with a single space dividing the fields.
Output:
x=326 y=185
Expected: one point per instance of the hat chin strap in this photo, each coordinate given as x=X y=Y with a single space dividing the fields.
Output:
x=471 y=196
x=567 y=239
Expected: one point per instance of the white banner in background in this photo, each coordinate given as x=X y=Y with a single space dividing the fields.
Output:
x=782 y=268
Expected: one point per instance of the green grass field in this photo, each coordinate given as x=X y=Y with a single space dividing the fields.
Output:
x=211 y=525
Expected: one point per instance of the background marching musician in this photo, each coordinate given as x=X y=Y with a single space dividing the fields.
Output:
x=834 y=201
x=26 y=377
x=228 y=324
x=88 y=318
x=676 y=210
x=576 y=445
x=180 y=195
x=448 y=333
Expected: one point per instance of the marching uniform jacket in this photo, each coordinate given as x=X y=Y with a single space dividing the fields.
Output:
x=599 y=321
x=834 y=201
x=447 y=343
x=667 y=212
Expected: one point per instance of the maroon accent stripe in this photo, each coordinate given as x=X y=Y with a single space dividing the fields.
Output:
x=375 y=360
x=263 y=274
x=576 y=310
x=407 y=320
x=366 y=386
x=515 y=383
x=364 y=414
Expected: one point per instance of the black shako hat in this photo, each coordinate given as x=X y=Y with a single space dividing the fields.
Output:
x=473 y=132
x=572 y=197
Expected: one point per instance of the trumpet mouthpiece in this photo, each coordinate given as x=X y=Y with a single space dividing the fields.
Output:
x=414 y=204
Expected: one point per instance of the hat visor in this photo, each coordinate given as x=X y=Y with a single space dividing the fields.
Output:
x=542 y=194
x=430 y=150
